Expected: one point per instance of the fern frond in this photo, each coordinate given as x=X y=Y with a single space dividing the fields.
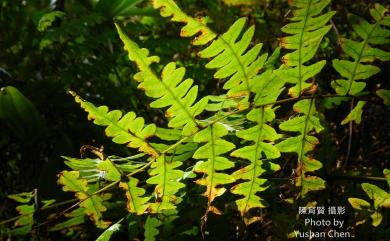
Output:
x=165 y=175
x=267 y=87
x=356 y=114
x=171 y=90
x=230 y=53
x=127 y=129
x=308 y=29
x=234 y=60
x=151 y=228
x=380 y=198
x=136 y=202
x=261 y=137
x=302 y=144
x=384 y=94
x=75 y=217
x=363 y=52
x=213 y=149
x=198 y=27
x=26 y=209
x=92 y=204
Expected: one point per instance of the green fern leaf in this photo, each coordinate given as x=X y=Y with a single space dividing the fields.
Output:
x=168 y=8
x=355 y=114
x=136 y=203
x=76 y=217
x=127 y=129
x=381 y=197
x=93 y=204
x=23 y=197
x=110 y=171
x=213 y=149
x=261 y=136
x=362 y=52
x=302 y=144
x=308 y=28
x=23 y=225
x=151 y=230
x=267 y=87
x=233 y=60
x=165 y=176
x=171 y=90
x=385 y=95
x=230 y=54
x=386 y=172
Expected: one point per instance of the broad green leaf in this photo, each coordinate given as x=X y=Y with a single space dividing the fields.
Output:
x=127 y=129
x=355 y=114
x=20 y=114
x=48 y=19
x=385 y=95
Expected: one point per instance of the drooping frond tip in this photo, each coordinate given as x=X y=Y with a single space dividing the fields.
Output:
x=193 y=26
x=124 y=129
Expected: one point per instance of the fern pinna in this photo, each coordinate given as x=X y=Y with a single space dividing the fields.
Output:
x=232 y=142
x=362 y=54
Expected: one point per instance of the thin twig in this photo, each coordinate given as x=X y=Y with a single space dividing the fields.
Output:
x=350 y=134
